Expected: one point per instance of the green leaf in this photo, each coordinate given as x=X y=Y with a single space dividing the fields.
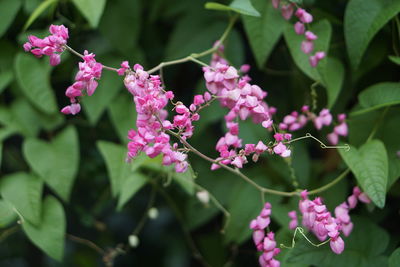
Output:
x=5 y=79
x=33 y=77
x=124 y=177
x=377 y=96
x=395 y=60
x=91 y=10
x=56 y=162
x=23 y=118
x=130 y=186
x=323 y=30
x=244 y=7
x=38 y=11
x=334 y=77
x=108 y=88
x=264 y=32
x=362 y=20
x=123 y=114
x=364 y=247
x=127 y=15
x=49 y=234
x=185 y=180
x=7 y=214
x=394 y=259
x=8 y=11
x=1 y=151
x=240 y=6
x=24 y=192
x=370 y=167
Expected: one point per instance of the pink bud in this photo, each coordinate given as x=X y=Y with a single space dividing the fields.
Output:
x=337 y=245
x=245 y=68
x=310 y=36
x=307 y=46
x=287 y=11
x=27 y=47
x=275 y=3
x=258 y=236
x=267 y=123
x=299 y=28
x=92 y=85
x=207 y=96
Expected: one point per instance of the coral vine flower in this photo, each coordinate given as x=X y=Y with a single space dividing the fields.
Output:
x=50 y=46
x=85 y=80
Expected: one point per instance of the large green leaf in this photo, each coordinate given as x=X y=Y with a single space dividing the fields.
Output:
x=362 y=20
x=377 y=96
x=109 y=85
x=33 y=77
x=118 y=169
x=323 y=30
x=123 y=114
x=8 y=11
x=263 y=32
x=56 y=162
x=91 y=10
x=244 y=7
x=370 y=166
x=127 y=15
x=395 y=60
x=394 y=259
x=334 y=76
x=7 y=213
x=130 y=186
x=364 y=247
x=23 y=118
x=24 y=192
x=49 y=234
x=183 y=42
x=5 y=79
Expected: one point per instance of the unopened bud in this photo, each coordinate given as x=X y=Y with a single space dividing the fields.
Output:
x=203 y=196
x=153 y=213
x=133 y=241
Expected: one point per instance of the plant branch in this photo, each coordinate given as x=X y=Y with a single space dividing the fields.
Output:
x=194 y=56
x=70 y=49
x=329 y=185
x=145 y=215
x=86 y=242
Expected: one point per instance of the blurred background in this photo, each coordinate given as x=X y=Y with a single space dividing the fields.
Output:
x=86 y=150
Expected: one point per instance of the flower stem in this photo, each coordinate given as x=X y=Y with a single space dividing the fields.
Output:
x=70 y=49
x=194 y=56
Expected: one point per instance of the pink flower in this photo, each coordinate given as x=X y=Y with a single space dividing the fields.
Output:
x=275 y=3
x=51 y=45
x=299 y=28
x=337 y=245
x=71 y=109
x=307 y=46
x=303 y=16
x=287 y=11
x=310 y=36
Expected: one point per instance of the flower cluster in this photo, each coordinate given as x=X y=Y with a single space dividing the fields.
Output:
x=50 y=46
x=317 y=218
x=265 y=242
x=295 y=121
x=244 y=101
x=153 y=127
x=304 y=18
x=85 y=80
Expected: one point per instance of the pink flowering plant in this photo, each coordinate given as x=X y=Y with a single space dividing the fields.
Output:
x=251 y=142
